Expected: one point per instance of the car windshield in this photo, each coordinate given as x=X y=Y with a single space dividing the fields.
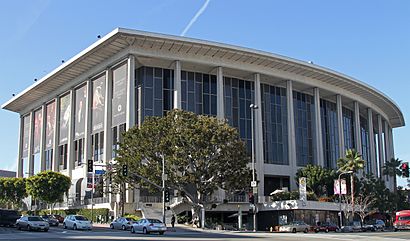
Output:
x=154 y=221
x=129 y=219
x=35 y=219
x=81 y=218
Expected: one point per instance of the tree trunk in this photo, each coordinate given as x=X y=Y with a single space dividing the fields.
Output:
x=195 y=216
x=352 y=191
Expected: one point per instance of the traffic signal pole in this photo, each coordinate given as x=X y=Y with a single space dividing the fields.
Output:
x=163 y=189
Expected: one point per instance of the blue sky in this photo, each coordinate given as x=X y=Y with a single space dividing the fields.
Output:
x=368 y=40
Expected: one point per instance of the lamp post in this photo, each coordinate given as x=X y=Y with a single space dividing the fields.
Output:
x=254 y=184
x=340 y=196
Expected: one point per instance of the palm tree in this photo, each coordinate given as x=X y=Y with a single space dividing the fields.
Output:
x=352 y=162
x=392 y=169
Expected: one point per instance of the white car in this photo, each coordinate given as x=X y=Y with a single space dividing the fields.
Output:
x=148 y=225
x=77 y=222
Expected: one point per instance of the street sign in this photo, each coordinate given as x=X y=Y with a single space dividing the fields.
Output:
x=99 y=172
x=254 y=184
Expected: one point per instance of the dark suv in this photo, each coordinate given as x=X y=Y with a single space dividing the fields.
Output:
x=8 y=217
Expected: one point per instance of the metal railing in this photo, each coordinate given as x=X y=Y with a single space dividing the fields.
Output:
x=151 y=199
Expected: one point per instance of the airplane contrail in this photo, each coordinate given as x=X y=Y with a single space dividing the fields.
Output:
x=193 y=20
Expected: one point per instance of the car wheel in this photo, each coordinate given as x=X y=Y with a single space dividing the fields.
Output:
x=145 y=231
x=111 y=226
x=123 y=227
x=395 y=229
x=161 y=233
x=294 y=230
x=132 y=230
x=74 y=227
x=316 y=230
x=64 y=226
x=45 y=230
x=306 y=230
x=326 y=230
x=28 y=227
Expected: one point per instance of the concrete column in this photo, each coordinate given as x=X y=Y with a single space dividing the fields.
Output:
x=70 y=143
x=357 y=135
x=19 y=171
x=107 y=117
x=130 y=115
x=318 y=130
x=56 y=164
x=340 y=126
x=177 y=85
x=291 y=131
x=381 y=144
x=30 y=146
x=87 y=135
x=386 y=145
x=373 y=161
x=391 y=142
x=258 y=136
x=220 y=108
x=43 y=138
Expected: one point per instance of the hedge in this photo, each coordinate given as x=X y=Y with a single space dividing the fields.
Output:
x=104 y=212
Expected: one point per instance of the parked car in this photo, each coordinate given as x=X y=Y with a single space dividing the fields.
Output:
x=295 y=226
x=77 y=222
x=402 y=220
x=8 y=217
x=354 y=226
x=32 y=223
x=50 y=219
x=148 y=225
x=326 y=227
x=58 y=217
x=374 y=225
x=122 y=223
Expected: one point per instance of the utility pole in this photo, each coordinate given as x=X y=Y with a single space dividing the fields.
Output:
x=164 y=177
x=254 y=183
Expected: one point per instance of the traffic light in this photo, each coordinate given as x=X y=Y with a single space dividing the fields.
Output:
x=405 y=169
x=251 y=198
x=167 y=198
x=125 y=170
x=90 y=165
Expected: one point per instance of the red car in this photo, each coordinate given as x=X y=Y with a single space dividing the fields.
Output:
x=402 y=220
x=58 y=217
x=326 y=227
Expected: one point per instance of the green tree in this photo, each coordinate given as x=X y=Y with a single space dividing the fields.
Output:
x=318 y=179
x=352 y=162
x=12 y=191
x=48 y=186
x=392 y=169
x=201 y=154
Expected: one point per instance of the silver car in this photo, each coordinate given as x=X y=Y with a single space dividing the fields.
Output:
x=148 y=225
x=32 y=223
x=77 y=222
x=295 y=226
x=50 y=219
x=122 y=223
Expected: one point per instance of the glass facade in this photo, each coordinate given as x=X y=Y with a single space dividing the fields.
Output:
x=303 y=106
x=348 y=129
x=330 y=134
x=156 y=86
x=364 y=136
x=274 y=125
x=198 y=93
x=238 y=96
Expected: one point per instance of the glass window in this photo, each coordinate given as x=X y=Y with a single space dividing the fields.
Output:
x=330 y=135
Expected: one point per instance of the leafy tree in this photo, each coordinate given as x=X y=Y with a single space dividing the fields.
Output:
x=392 y=169
x=48 y=186
x=12 y=190
x=318 y=179
x=201 y=154
x=364 y=204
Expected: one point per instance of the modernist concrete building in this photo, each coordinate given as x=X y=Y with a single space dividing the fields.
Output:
x=307 y=113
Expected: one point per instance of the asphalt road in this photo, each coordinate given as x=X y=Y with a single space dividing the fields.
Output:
x=183 y=234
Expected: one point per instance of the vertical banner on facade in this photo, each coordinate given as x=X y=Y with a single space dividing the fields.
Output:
x=38 y=121
x=51 y=121
x=65 y=113
x=26 y=133
x=80 y=109
x=337 y=186
x=119 y=95
x=302 y=189
x=98 y=104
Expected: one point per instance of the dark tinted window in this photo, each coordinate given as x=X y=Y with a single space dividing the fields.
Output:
x=81 y=218
x=35 y=219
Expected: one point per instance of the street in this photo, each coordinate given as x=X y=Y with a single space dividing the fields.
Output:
x=189 y=234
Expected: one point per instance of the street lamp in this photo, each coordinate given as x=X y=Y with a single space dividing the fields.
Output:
x=254 y=184
x=340 y=196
